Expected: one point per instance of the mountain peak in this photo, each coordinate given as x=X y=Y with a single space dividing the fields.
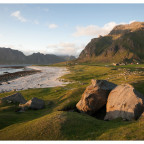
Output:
x=121 y=29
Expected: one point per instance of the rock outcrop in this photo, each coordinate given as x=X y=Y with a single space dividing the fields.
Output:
x=15 y=98
x=124 y=102
x=95 y=96
x=34 y=104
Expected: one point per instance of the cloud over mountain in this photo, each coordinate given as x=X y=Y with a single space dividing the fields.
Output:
x=64 y=48
x=95 y=30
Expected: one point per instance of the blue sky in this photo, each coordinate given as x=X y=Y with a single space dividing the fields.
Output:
x=61 y=28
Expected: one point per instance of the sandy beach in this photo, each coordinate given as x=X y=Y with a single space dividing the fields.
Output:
x=48 y=77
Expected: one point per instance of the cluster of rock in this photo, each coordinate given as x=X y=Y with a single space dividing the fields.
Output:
x=121 y=101
x=34 y=103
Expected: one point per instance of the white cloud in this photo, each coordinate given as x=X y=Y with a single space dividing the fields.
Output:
x=65 y=48
x=94 y=30
x=18 y=15
x=52 y=26
x=132 y=21
x=12 y=46
x=19 y=47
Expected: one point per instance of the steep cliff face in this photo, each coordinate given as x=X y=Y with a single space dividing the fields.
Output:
x=125 y=43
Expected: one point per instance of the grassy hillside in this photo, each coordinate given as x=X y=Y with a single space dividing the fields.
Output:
x=123 y=44
x=58 y=122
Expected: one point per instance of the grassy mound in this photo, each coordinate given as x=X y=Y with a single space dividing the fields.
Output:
x=73 y=126
x=59 y=126
x=46 y=127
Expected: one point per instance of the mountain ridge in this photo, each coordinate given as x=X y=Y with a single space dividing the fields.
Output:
x=125 y=43
x=10 y=56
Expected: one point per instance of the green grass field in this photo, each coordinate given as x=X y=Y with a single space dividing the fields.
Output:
x=57 y=122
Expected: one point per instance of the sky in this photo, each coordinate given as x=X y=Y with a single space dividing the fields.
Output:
x=61 y=29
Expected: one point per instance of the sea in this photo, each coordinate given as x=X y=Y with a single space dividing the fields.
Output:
x=4 y=69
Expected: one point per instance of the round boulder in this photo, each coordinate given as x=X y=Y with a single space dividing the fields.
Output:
x=95 y=96
x=124 y=102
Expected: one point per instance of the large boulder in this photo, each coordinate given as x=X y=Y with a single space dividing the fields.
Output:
x=95 y=96
x=14 y=98
x=124 y=102
x=34 y=103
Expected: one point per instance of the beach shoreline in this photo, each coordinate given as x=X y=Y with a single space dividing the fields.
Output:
x=38 y=77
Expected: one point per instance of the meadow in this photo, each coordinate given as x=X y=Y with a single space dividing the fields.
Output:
x=59 y=120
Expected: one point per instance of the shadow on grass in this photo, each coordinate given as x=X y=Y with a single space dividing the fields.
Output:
x=9 y=116
x=139 y=86
x=78 y=126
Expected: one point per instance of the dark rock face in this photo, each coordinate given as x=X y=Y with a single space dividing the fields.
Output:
x=123 y=44
x=124 y=102
x=95 y=96
x=95 y=47
x=34 y=104
x=15 y=98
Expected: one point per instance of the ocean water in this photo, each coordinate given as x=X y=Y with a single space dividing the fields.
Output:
x=11 y=68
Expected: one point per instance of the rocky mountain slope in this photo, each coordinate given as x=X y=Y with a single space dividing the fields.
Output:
x=125 y=43
x=10 y=56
